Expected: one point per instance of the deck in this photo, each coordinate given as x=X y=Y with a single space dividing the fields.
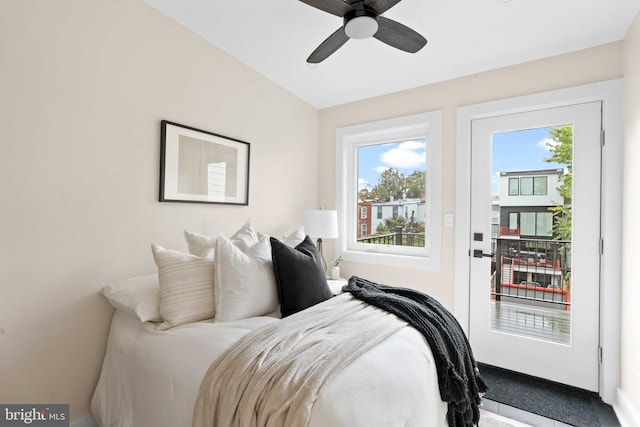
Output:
x=531 y=321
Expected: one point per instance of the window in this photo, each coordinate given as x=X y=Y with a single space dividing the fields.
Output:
x=513 y=220
x=528 y=224
x=363 y=213
x=514 y=186
x=394 y=165
x=539 y=224
x=528 y=186
x=544 y=224
x=540 y=185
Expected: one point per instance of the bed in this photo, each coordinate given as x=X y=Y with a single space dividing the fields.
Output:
x=246 y=348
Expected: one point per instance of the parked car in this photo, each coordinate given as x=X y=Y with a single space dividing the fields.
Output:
x=527 y=283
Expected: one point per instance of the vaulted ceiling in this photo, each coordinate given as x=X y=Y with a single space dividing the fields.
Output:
x=275 y=37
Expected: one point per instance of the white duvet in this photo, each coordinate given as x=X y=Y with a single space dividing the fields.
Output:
x=151 y=378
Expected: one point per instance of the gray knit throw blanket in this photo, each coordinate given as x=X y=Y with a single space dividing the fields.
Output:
x=458 y=376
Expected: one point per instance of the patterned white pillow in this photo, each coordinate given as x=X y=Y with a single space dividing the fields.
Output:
x=245 y=285
x=186 y=286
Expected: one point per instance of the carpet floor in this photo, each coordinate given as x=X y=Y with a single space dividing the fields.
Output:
x=552 y=400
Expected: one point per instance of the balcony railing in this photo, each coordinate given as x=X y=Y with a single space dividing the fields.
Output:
x=509 y=232
x=399 y=238
x=533 y=272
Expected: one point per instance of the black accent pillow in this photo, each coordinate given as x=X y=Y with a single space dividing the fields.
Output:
x=300 y=277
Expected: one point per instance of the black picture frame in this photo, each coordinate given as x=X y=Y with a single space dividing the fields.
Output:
x=198 y=166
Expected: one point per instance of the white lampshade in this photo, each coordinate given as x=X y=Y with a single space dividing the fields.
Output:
x=321 y=223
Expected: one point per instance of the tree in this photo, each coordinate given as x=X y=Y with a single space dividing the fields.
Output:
x=562 y=152
x=364 y=194
x=393 y=183
x=389 y=225
x=390 y=184
x=414 y=184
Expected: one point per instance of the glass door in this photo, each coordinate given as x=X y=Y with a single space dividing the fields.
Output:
x=535 y=239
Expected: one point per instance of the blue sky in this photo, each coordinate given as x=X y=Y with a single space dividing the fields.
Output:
x=512 y=151
x=518 y=151
x=406 y=156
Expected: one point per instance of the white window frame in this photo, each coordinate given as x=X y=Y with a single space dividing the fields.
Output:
x=348 y=139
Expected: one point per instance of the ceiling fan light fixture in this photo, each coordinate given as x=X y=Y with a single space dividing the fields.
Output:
x=363 y=19
x=361 y=27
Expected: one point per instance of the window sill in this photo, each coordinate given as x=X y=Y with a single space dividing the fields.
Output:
x=392 y=260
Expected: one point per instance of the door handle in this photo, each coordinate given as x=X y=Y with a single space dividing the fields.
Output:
x=477 y=253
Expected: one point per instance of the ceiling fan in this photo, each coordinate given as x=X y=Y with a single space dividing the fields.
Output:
x=362 y=19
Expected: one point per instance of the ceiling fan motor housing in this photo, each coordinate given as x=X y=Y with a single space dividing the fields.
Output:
x=361 y=22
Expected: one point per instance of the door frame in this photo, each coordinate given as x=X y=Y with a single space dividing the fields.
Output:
x=611 y=94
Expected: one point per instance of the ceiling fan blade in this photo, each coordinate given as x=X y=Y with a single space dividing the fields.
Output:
x=327 y=47
x=381 y=6
x=335 y=7
x=399 y=36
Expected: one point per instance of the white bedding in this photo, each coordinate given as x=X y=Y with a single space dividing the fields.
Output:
x=151 y=378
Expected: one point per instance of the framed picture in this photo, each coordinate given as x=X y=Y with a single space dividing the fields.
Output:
x=197 y=166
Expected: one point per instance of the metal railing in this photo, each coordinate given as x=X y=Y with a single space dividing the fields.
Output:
x=399 y=238
x=534 y=272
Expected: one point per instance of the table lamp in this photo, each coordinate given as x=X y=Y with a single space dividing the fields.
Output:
x=321 y=224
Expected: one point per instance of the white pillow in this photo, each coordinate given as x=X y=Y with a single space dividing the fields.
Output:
x=294 y=238
x=138 y=296
x=199 y=244
x=245 y=236
x=186 y=287
x=245 y=285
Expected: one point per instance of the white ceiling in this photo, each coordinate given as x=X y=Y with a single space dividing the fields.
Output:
x=274 y=37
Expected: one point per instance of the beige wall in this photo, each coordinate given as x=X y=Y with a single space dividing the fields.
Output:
x=83 y=87
x=630 y=313
x=592 y=65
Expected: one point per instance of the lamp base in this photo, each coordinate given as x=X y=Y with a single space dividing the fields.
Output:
x=324 y=263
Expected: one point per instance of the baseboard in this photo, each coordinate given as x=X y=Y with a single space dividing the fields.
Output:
x=627 y=415
x=87 y=421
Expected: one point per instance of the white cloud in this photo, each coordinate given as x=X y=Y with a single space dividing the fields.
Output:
x=381 y=169
x=413 y=145
x=363 y=183
x=550 y=141
x=407 y=155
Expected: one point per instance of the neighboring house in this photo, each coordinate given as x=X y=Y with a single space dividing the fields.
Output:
x=372 y=213
x=531 y=264
x=525 y=199
x=495 y=221
x=364 y=218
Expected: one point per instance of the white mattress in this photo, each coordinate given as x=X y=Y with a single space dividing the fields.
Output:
x=151 y=378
